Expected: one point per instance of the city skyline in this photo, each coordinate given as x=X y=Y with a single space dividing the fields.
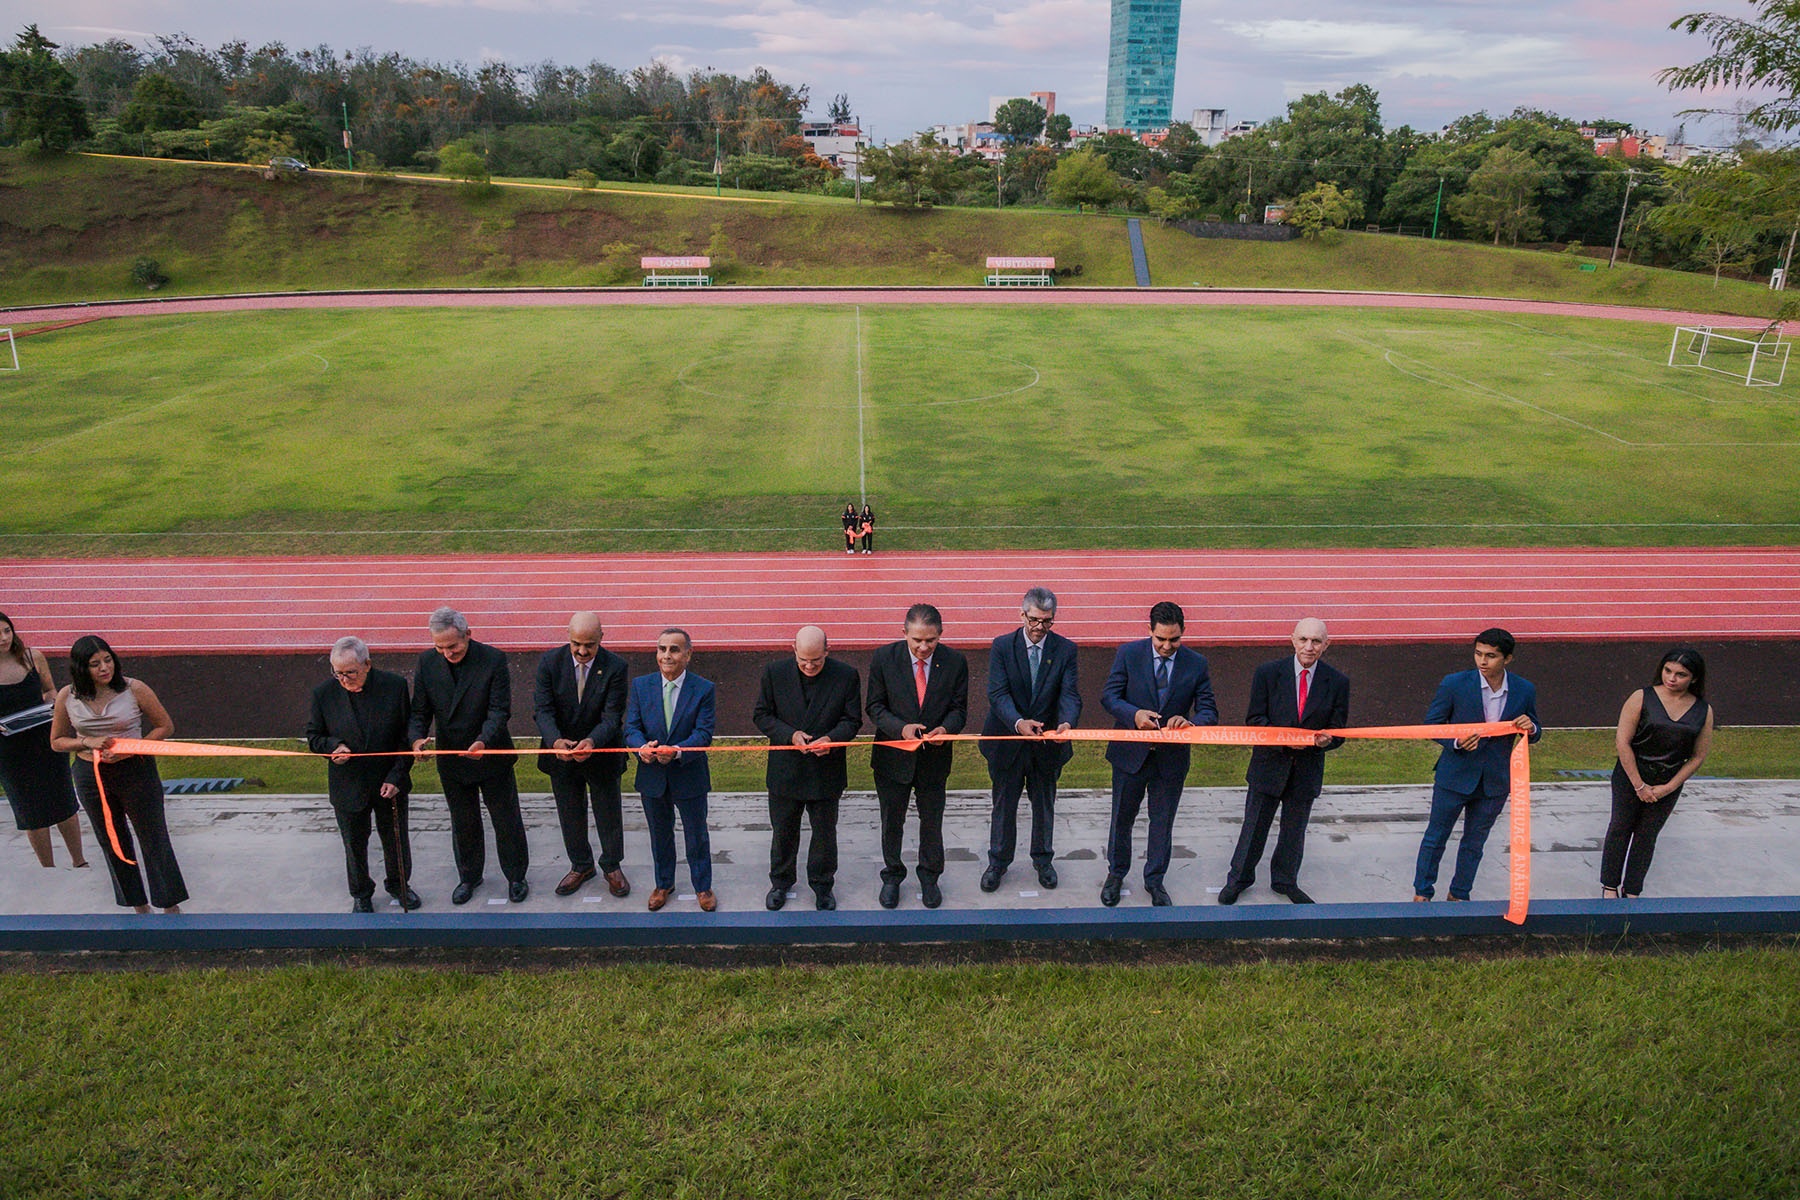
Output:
x=907 y=65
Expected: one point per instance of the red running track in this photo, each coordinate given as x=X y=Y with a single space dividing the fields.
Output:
x=745 y=601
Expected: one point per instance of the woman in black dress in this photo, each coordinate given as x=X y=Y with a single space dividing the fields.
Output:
x=36 y=777
x=850 y=524
x=1665 y=732
x=866 y=526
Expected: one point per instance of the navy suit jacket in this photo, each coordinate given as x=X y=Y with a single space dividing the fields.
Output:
x=688 y=777
x=1279 y=770
x=892 y=702
x=598 y=716
x=1011 y=699
x=1132 y=685
x=1487 y=769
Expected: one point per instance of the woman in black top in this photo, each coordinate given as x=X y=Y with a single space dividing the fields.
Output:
x=850 y=526
x=36 y=778
x=866 y=525
x=1664 y=735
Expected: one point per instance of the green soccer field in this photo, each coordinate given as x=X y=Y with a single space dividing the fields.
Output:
x=970 y=426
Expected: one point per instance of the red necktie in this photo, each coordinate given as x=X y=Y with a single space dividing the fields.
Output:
x=1304 y=672
x=919 y=679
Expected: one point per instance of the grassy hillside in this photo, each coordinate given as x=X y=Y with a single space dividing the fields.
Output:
x=71 y=227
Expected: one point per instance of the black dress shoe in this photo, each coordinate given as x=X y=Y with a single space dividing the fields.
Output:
x=408 y=899
x=1230 y=892
x=824 y=901
x=362 y=904
x=990 y=879
x=1109 y=891
x=890 y=895
x=1159 y=895
x=517 y=890
x=1047 y=876
x=464 y=892
x=1295 y=894
x=929 y=895
x=775 y=899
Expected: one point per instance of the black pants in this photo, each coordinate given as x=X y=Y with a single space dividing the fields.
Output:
x=501 y=795
x=134 y=794
x=1290 y=844
x=388 y=817
x=572 y=791
x=1128 y=794
x=894 y=799
x=1631 y=836
x=1003 y=827
x=784 y=849
x=868 y=541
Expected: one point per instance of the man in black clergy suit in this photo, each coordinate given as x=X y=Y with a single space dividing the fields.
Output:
x=1033 y=687
x=918 y=688
x=579 y=705
x=1155 y=684
x=462 y=685
x=1294 y=692
x=808 y=698
x=358 y=711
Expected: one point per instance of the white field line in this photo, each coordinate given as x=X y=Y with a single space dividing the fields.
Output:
x=862 y=459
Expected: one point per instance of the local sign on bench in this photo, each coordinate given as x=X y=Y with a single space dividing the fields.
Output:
x=692 y=270
x=1020 y=272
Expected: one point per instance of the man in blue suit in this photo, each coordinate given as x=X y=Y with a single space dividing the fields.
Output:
x=1474 y=774
x=668 y=719
x=1156 y=683
x=1033 y=689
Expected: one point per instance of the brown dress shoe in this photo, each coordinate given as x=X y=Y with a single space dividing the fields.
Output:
x=708 y=901
x=571 y=883
x=659 y=897
x=620 y=885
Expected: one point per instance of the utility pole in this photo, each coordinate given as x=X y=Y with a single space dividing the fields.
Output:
x=349 y=160
x=999 y=188
x=1437 y=208
x=1630 y=182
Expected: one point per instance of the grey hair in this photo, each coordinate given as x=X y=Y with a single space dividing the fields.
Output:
x=448 y=618
x=1041 y=598
x=351 y=645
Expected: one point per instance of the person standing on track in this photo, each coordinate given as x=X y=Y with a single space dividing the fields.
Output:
x=1665 y=733
x=852 y=525
x=364 y=712
x=579 y=705
x=1033 y=691
x=1296 y=692
x=1474 y=774
x=918 y=690
x=865 y=523
x=463 y=687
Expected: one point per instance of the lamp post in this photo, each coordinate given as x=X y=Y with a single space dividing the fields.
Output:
x=1437 y=208
x=349 y=158
x=1630 y=182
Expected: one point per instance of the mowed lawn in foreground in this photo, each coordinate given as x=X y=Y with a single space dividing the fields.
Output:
x=1581 y=1075
x=976 y=427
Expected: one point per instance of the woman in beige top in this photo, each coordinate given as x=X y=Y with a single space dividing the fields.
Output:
x=101 y=706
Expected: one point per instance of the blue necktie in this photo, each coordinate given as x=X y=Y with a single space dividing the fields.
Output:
x=1033 y=655
x=1162 y=681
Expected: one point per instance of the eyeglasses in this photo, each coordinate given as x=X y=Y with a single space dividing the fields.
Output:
x=352 y=673
x=1040 y=622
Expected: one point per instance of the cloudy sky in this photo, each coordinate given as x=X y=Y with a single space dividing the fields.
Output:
x=907 y=64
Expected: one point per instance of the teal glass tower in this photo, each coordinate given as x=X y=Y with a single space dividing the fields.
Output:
x=1140 y=70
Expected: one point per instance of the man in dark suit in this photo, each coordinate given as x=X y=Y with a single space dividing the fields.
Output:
x=918 y=689
x=1033 y=688
x=579 y=704
x=668 y=721
x=1155 y=683
x=1474 y=774
x=364 y=711
x=462 y=685
x=1296 y=692
x=808 y=698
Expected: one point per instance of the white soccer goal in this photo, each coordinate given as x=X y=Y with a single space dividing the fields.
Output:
x=1757 y=355
x=10 y=351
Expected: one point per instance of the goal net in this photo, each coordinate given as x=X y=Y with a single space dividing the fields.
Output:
x=1757 y=355
x=9 y=351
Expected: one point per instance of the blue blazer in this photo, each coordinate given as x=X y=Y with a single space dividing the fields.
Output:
x=1132 y=685
x=1487 y=769
x=1011 y=699
x=688 y=777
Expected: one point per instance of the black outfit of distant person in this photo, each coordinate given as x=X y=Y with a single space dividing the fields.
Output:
x=596 y=715
x=372 y=721
x=827 y=705
x=1662 y=746
x=471 y=701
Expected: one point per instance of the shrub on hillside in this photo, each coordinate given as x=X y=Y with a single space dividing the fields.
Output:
x=149 y=273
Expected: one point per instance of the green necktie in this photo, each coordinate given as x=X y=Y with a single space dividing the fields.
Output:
x=669 y=707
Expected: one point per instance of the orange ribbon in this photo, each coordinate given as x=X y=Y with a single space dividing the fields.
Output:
x=1193 y=735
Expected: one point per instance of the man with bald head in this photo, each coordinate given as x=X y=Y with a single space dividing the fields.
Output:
x=805 y=699
x=579 y=704
x=1295 y=692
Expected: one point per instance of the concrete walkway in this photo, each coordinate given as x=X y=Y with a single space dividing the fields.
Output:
x=282 y=853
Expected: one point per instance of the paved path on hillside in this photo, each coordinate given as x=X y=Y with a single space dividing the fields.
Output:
x=22 y=318
x=742 y=601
